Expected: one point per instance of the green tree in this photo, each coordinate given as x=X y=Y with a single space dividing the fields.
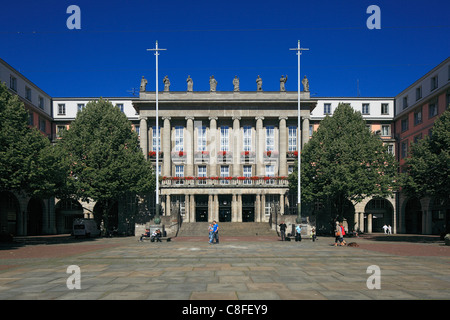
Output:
x=102 y=157
x=28 y=162
x=427 y=170
x=344 y=161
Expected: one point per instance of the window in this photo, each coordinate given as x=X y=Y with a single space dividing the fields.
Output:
x=417 y=138
x=201 y=138
x=385 y=130
x=137 y=128
x=311 y=130
x=365 y=108
x=292 y=138
x=179 y=141
x=404 y=150
x=247 y=174
x=224 y=172
x=156 y=139
x=31 y=119
x=59 y=130
x=202 y=174
x=270 y=199
x=120 y=106
x=418 y=116
x=13 y=83
x=41 y=102
x=28 y=93
x=224 y=138
x=390 y=148
x=434 y=83
x=418 y=93
x=384 y=108
x=247 y=138
x=80 y=106
x=179 y=173
x=327 y=108
x=42 y=124
x=432 y=109
x=270 y=139
x=270 y=172
x=405 y=102
x=61 y=108
x=404 y=124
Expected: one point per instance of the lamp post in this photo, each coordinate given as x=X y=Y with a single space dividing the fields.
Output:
x=299 y=208
x=157 y=208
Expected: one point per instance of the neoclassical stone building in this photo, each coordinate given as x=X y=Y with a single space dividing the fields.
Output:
x=224 y=156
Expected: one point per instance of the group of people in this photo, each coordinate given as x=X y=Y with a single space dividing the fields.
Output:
x=298 y=232
x=387 y=229
x=339 y=233
x=213 y=230
x=155 y=236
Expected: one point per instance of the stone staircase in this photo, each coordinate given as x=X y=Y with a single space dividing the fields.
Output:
x=200 y=229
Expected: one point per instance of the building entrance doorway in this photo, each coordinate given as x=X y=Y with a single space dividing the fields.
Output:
x=201 y=208
x=225 y=208
x=248 y=208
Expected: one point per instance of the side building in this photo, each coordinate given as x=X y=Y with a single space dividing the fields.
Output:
x=19 y=213
x=416 y=109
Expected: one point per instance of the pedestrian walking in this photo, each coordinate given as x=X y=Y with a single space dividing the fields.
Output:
x=216 y=231
x=385 y=227
x=211 y=233
x=298 y=234
x=337 y=233
x=342 y=234
x=313 y=234
x=389 y=229
x=283 y=228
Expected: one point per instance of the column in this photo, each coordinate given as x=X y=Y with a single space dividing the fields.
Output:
x=165 y=148
x=216 y=207
x=187 y=208
x=239 y=208
x=168 y=212
x=263 y=208
x=282 y=204
x=236 y=147
x=282 y=167
x=143 y=131
x=213 y=148
x=305 y=130
x=259 y=146
x=356 y=219
x=233 y=208
x=369 y=223
x=210 y=208
x=189 y=146
x=192 y=208
x=257 y=208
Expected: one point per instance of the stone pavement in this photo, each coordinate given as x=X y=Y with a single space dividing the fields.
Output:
x=253 y=268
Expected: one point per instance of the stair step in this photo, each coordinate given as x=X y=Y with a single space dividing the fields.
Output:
x=227 y=229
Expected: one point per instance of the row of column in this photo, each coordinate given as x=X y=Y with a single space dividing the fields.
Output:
x=302 y=135
x=214 y=205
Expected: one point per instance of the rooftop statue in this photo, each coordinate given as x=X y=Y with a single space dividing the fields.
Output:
x=259 y=84
x=282 y=83
x=190 y=84
x=212 y=84
x=143 y=84
x=236 y=83
x=166 y=83
x=305 y=83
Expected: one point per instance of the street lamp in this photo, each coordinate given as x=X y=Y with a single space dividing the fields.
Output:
x=299 y=208
x=157 y=219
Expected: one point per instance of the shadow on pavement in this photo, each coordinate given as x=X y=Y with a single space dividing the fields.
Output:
x=413 y=238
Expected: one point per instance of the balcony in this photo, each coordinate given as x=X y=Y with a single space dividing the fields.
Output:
x=224 y=157
x=201 y=156
x=178 y=157
x=248 y=157
x=241 y=182
x=270 y=156
x=152 y=155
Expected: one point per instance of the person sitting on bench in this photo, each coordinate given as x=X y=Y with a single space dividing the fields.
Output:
x=156 y=236
x=146 y=234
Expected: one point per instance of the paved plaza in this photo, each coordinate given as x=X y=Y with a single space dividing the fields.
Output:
x=254 y=268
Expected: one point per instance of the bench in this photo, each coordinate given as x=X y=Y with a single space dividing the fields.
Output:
x=167 y=239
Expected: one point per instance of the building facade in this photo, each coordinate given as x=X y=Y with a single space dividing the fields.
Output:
x=226 y=156
x=416 y=109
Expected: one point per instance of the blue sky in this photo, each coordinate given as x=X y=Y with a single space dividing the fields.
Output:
x=108 y=56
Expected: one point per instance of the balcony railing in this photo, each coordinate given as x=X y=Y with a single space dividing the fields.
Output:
x=224 y=181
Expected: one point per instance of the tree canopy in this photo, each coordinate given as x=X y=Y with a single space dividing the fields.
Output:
x=102 y=156
x=345 y=161
x=427 y=169
x=28 y=162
